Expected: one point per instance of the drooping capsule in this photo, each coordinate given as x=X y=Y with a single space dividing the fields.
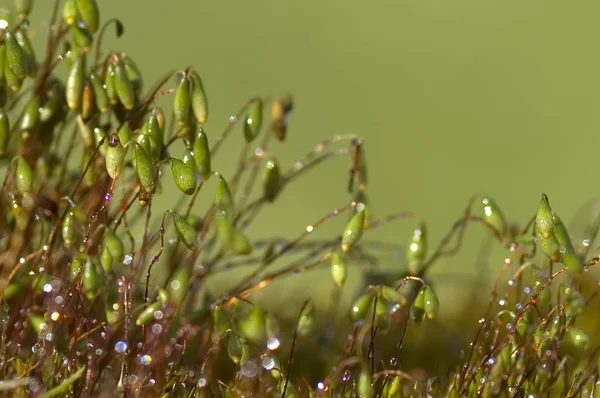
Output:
x=202 y=155
x=579 y=338
x=338 y=269
x=417 y=249
x=109 y=82
x=567 y=253
x=185 y=231
x=13 y=81
x=150 y=146
x=393 y=296
x=307 y=320
x=417 y=311
x=2 y=61
x=184 y=176
x=25 y=44
x=100 y=96
x=88 y=105
x=152 y=127
x=123 y=86
x=100 y=137
x=23 y=8
x=253 y=121
x=178 y=286
x=24 y=177
x=250 y=321
x=544 y=222
x=271 y=180
x=4 y=131
x=106 y=260
x=73 y=225
x=239 y=243
x=37 y=322
x=75 y=82
x=360 y=307
x=90 y=177
x=432 y=303
x=354 y=228
x=115 y=157
x=365 y=385
x=147 y=315
x=223 y=197
x=89 y=13
x=145 y=172
x=93 y=278
x=133 y=73
x=16 y=58
x=234 y=349
x=69 y=12
x=199 y=101
x=30 y=117
x=182 y=101
x=82 y=38
x=493 y=216
x=124 y=133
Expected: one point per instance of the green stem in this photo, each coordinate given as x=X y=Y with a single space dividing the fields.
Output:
x=65 y=385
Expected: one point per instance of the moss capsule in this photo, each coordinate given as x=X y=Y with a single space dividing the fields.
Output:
x=199 y=102
x=93 y=278
x=307 y=320
x=144 y=168
x=354 y=228
x=365 y=385
x=417 y=250
x=37 y=322
x=202 y=155
x=23 y=8
x=182 y=101
x=115 y=157
x=25 y=44
x=69 y=12
x=30 y=118
x=178 y=286
x=24 y=177
x=185 y=231
x=184 y=176
x=4 y=131
x=253 y=121
x=338 y=269
x=82 y=38
x=493 y=216
x=133 y=74
x=13 y=81
x=88 y=105
x=234 y=349
x=147 y=315
x=360 y=307
x=2 y=61
x=417 y=311
x=544 y=222
x=391 y=295
x=100 y=96
x=75 y=82
x=239 y=243
x=109 y=81
x=124 y=133
x=432 y=303
x=89 y=13
x=106 y=260
x=223 y=197
x=16 y=58
x=123 y=86
x=271 y=180
x=579 y=338
x=250 y=321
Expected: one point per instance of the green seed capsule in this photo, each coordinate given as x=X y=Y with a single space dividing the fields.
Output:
x=202 y=155
x=360 y=307
x=124 y=133
x=199 y=101
x=31 y=115
x=73 y=225
x=109 y=81
x=4 y=131
x=417 y=250
x=13 y=81
x=307 y=320
x=2 y=61
x=188 y=159
x=114 y=245
x=272 y=180
x=579 y=338
x=149 y=145
x=185 y=231
x=152 y=127
x=12 y=290
x=69 y=12
x=16 y=58
x=37 y=322
x=354 y=228
x=77 y=266
x=493 y=215
x=106 y=260
x=224 y=228
x=365 y=385
x=184 y=176
x=239 y=243
x=75 y=82
x=144 y=168
x=90 y=178
x=23 y=8
x=182 y=101
x=251 y=322
x=235 y=349
x=99 y=135
x=417 y=311
x=221 y=320
x=549 y=247
x=147 y=315
x=25 y=44
x=338 y=269
x=100 y=96
x=89 y=13
x=87 y=101
x=93 y=278
x=253 y=120
x=82 y=38
x=393 y=296
x=432 y=303
x=223 y=197
x=178 y=286
x=24 y=177
x=133 y=74
x=123 y=86
x=115 y=157
x=544 y=222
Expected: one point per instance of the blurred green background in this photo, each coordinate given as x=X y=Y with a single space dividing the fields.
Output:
x=452 y=98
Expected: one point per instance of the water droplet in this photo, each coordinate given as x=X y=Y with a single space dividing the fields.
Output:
x=346 y=375
x=249 y=369
x=128 y=259
x=158 y=315
x=202 y=382
x=511 y=282
x=55 y=316
x=146 y=360
x=321 y=385
x=273 y=343
x=121 y=347
x=232 y=119
x=156 y=328
x=268 y=363
x=49 y=336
